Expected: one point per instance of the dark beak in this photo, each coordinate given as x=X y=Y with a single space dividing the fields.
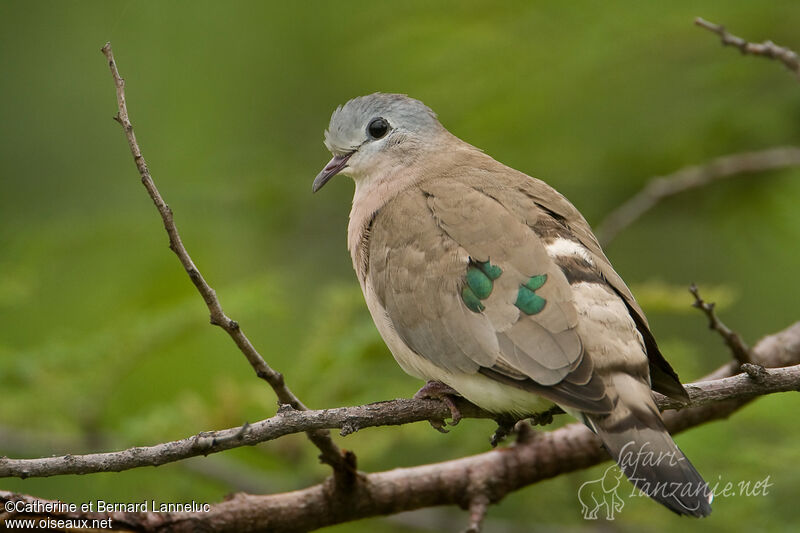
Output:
x=331 y=169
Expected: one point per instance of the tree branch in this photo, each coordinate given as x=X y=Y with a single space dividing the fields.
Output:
x=330 y=453
x=501 y=471
x=766 y=49
x=396 y=412
x=689 y=178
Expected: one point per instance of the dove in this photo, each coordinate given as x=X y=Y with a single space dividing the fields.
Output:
x=488 y=284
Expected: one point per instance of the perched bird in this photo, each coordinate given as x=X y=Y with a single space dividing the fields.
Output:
x=489 y=284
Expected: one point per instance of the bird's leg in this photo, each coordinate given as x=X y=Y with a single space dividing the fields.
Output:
x=439 y=391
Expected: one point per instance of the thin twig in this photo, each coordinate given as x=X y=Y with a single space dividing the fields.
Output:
x=330 y=453
x=741 y=352
x=766 y=49
x=689 y=178
x=285 y=422
x=234 y=474
x=389 y=413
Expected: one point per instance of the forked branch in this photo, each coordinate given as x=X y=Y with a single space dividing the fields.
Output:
x=330 y=453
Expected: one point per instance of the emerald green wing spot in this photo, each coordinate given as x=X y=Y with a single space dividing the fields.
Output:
x=528 y=301
x=536 y=282
x=479 y=278
x=492 y=271
x=472 y=301
x=479 y=282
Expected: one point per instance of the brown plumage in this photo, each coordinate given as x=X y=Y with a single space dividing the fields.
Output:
x=490 y=281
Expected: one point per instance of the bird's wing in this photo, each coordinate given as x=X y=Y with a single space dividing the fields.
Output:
x=469 y=285
x=566 y=220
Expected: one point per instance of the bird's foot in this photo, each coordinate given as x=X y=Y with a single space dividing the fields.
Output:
x=545 y=417
x=439 y=391
x=505 y=426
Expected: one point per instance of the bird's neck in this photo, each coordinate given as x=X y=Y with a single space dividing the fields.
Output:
x=385 y=182
x=371 y=194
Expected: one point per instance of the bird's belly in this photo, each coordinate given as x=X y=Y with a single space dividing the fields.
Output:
x=486 y=393
x=497 y=397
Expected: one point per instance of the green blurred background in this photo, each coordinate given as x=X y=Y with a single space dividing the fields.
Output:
x=104 y=343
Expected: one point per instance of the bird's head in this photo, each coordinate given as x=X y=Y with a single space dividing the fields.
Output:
x=372 y=134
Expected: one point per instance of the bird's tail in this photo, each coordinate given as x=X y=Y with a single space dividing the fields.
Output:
x=635 y=436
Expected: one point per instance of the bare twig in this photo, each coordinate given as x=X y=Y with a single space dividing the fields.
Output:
x=234 y=474
x=478 y=506
x=741 y=352
x=689 y=178
x=396 y=412
x=285 y=422
x=766 y=49
x=330 y=453
x=572 y=447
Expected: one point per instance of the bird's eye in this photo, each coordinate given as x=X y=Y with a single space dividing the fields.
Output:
x=378 y=128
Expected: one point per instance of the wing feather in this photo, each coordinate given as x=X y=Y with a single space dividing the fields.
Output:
x=421 y=244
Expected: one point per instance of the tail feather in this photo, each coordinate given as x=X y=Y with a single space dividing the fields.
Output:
x=635 y=437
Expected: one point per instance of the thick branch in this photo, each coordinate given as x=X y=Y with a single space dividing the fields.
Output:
x=330 y=453
x=501 y=471
x=738 y=388
x=689 y=178
x=766 y=49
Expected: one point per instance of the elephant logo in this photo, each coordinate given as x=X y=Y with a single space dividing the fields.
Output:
x=598 y=494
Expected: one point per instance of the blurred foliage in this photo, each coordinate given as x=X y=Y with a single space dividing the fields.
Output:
x=104 y=343
x=657 y=296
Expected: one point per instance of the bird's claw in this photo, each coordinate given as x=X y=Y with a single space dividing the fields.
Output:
x=505 y=426
x=439 y=425
x=439 y=391
x=545 y=418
